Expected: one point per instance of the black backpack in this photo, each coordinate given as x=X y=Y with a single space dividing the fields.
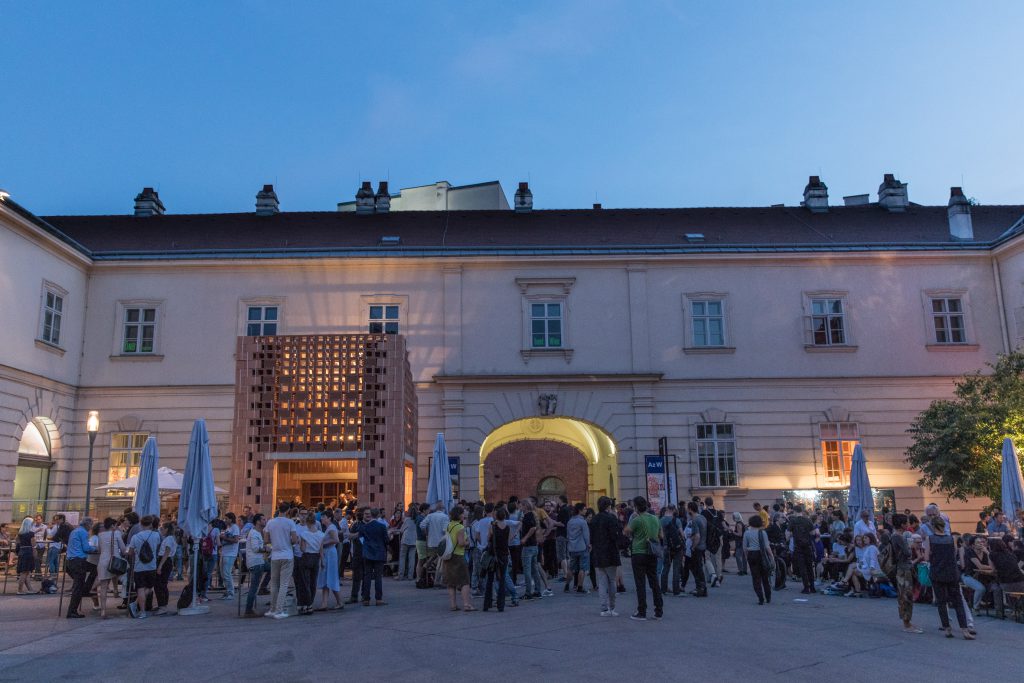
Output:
x=714 y=541
x=673 y=539
x=146 y=550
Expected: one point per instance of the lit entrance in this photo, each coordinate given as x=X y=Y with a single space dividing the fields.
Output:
x=547 y=457
x=32 y=474
x=316 y=481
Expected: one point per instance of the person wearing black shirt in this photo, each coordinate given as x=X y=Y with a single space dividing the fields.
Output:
x=497 y=544
x=802 y=531
x=604 y=537
x=1008 y=573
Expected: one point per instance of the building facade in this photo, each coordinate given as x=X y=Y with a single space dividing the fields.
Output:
x=554 y=349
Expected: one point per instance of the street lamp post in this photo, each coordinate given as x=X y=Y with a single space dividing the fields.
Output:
x=92 y=425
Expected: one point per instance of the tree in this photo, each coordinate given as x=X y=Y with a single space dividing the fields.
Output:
x=958 y=442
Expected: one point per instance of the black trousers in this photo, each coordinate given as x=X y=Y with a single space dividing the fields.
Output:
x=695 y=563
x=80 y=570
x=373 y=571
x=516 y=553
x=761 y=579
x=160 y=590
x=357 y=575
x=645 y=568
x=496 y=572
x=948 y=593
x=673 y=562
x=306 y=569
x=803 y=561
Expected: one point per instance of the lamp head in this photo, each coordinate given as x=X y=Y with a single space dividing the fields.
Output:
x=92 y=425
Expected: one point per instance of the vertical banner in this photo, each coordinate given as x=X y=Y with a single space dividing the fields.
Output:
x=657 y=495
x=453 y=470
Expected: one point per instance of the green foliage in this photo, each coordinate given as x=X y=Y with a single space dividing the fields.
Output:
x=958 y=442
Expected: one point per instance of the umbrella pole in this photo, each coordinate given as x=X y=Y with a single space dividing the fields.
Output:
x=194 y=608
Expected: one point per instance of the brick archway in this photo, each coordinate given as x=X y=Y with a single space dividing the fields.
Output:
x=517 y=468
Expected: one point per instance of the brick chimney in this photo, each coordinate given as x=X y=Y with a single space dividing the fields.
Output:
x=364 y=198
x=523 y=199
x=266 y=202
x=816 y=195
x=959 y=212
x=892 y=194
x=382 y=201
x=147 y=203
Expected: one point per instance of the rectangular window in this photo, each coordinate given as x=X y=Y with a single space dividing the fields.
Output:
x=125 y=451
x=261 y=321
x=716 y=454
x=52 y=316
x=837 y=442
x=828 y=326
x=384 y=318
x=708 y=323
x=139 y=330
x=948 y=318
x=546 y=325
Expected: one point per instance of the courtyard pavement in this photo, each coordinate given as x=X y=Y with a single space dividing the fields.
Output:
x=722 y=638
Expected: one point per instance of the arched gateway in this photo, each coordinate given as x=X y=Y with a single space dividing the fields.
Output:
x=546 y=456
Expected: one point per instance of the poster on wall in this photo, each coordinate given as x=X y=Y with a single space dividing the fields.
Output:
x=661 y=485
x=453 y=471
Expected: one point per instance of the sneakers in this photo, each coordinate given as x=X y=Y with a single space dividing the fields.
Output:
x=281 y=615
x=657 y=616
x=606 y=613
x=547 y=593
x=269 y=613
x=636 y=616
x=228 y=596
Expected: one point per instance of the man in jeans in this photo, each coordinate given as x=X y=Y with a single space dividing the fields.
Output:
x=674 y=551
x=280 y=533
x=255 y=560
x=528 y=539
x=578 y=533
x=644 y=529
x=698 y=526
x=605 y=540
x=78 y=566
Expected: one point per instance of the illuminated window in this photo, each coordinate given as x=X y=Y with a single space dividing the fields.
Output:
x=139 y=329
x=708 y=322
x=828 y=322
x=948 y=320
x=716 y=454
x=837 y=442
x=384 y=318
x=52 y=314
x=261 y=321
x=125 y=451
x=546 y=325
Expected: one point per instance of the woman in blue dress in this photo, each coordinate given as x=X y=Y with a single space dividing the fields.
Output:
x=327 y=580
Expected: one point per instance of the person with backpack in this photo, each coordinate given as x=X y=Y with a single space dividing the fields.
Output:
x=713 y=540
x=698 y=531
x=456 y=571
x=143 y=551
x=673 y=557
x=644 y=532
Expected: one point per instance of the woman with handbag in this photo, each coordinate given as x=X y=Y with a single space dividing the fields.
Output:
x=760 y=559
x=112 y=563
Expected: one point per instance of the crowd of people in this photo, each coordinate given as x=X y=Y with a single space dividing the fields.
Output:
x=491 y=550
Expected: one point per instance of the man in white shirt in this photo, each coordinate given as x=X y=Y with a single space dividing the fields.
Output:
x=481 y=531
x=280 y=534
x=436 y=526
x=865 y=525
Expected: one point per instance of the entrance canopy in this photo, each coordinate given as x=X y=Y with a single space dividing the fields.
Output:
x=168 y=481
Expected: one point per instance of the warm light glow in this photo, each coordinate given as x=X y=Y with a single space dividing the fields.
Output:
x=92 y=424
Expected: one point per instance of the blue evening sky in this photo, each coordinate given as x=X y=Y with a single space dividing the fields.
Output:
x=642 y=103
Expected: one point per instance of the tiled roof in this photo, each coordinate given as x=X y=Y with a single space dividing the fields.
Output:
x=722 y=228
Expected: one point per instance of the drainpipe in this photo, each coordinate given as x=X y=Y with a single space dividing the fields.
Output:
x=999 y=301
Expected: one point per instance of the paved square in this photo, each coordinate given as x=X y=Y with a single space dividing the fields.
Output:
x=725 y=637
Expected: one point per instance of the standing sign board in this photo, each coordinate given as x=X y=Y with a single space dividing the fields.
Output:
x=661 y=484
x=453 y=470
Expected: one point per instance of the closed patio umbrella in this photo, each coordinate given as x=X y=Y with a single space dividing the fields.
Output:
x=860 y=487
x=147 y=491
x=198 y=504
x=1013 y=486
x=439 y=487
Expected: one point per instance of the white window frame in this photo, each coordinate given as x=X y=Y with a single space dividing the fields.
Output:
x=383 y=320
x=120 y=322
x=545 y=290
x=133 y=452
x=383 y=299
x=245 y=303
x=545 y=317
x=689 y=322
x=55 y=290
x=932 y=342
x=810 y=344
x=717 y=443
x=839 y=439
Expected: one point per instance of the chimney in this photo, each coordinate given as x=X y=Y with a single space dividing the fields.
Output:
x=959 y=212
x=816 y=195
x=147 y=203
x=382 y=201
x=857 y=199
x=524 y=199
x=266 y=202
x=892 y=194
x=364 y=198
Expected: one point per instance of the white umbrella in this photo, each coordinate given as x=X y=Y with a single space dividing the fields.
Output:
x=147 y=492
x=860 y=487
x=439 y=487
x=198 y=504
x=1013 y=486
x=168 y=481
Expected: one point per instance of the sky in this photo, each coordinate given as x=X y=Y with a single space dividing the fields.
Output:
x=632 y=104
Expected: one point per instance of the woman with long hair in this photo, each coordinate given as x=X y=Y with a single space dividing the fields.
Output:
x=738 y=529
x=497 y=545
x=310 y=540
x=328 y=580
x=110 y=544
x=26 y=558
x=456 y=571
x=760 y=559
